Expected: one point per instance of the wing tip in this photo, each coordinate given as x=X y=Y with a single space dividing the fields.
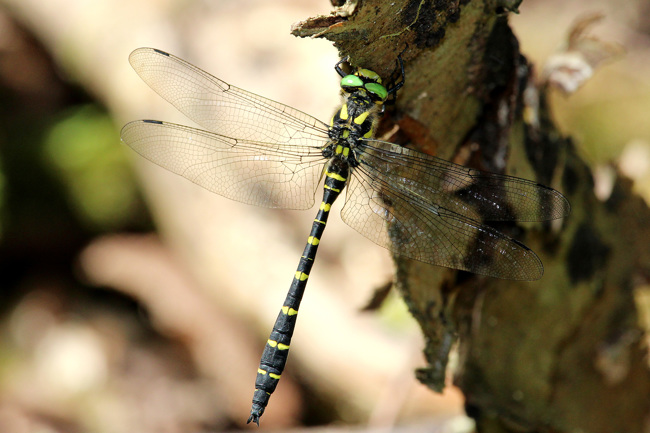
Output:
x=164 y=53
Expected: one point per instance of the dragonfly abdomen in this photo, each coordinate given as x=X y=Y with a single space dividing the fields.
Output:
x=276 y=351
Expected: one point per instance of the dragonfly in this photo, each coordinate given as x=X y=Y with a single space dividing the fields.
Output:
x=261 y=152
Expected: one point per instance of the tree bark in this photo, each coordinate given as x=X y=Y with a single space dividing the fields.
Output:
x=561 y=354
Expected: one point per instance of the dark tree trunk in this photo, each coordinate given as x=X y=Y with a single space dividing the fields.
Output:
x=561 y=354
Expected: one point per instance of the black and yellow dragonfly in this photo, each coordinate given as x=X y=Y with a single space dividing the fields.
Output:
x=261 y=152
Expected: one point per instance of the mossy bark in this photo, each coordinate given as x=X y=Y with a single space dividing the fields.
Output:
x=561 y=354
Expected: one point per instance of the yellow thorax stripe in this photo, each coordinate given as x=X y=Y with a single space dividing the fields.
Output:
x=361 y=117
x=343 y=113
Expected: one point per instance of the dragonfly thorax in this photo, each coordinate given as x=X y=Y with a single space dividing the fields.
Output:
x=342 y=151
x=356 y=118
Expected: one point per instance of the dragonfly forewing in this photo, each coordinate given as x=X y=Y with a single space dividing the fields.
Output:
x=220 y=107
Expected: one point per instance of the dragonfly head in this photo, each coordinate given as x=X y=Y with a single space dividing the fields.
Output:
x=366 y=81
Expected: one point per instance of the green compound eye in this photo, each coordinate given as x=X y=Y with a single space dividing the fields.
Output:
x=351 y=81
x=377 y=90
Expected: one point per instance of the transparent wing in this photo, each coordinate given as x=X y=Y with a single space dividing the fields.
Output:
x=430 y=210
x=273 y=175
x=219 y=107
x=472 y=193
x=406 y=225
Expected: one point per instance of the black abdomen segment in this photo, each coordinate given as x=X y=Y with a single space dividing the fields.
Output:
x=274 y=357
